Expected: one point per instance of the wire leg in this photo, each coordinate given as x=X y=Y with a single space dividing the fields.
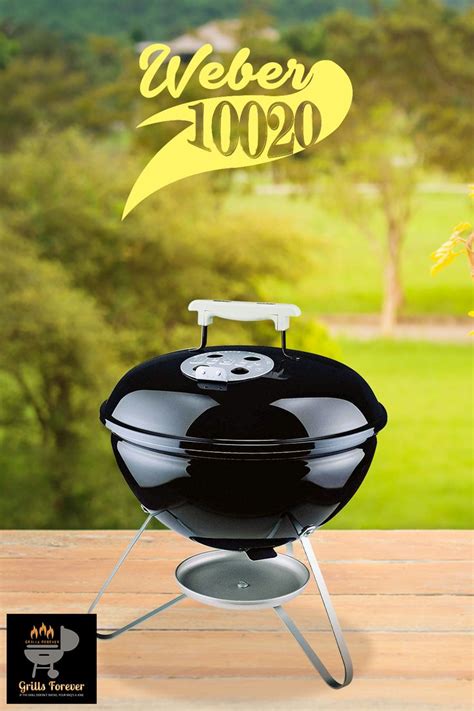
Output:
x=289 y=548
x=133 y=623
x=120 y=561
x=107 y=582
x=336 y=628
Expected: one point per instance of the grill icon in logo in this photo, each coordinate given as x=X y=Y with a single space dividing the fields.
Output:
x=45 y=654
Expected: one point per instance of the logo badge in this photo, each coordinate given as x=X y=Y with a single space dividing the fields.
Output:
x=51 y=659
x=235 y=129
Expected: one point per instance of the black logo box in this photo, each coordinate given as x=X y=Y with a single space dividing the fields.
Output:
x=64 y=662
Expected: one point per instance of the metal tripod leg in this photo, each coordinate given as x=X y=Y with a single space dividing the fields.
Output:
x=116 y=567
x=336 y=628
x=133 y=623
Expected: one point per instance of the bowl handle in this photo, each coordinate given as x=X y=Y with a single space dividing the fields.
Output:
x=207 y=309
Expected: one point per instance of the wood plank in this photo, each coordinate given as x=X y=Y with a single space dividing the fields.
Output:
x=329 y=544
x=356 y=612
x=219 y=654
x=71 y=575
x=271 y=654
x=303 y=694
x=402 y=597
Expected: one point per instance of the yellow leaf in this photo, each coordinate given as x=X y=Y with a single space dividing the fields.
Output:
x=444 y=255
x=445 y=248
x=462 y=227
x=435 y=269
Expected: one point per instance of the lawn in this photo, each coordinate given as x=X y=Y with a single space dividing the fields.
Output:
x=421 y=476
x=422 y=471
x=348 y=279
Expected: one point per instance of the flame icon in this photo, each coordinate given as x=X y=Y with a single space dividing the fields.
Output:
x=43 y=632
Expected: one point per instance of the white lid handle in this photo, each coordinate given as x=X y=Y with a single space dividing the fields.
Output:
x=280 y=314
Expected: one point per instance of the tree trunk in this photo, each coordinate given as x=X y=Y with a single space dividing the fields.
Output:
x=393 y=293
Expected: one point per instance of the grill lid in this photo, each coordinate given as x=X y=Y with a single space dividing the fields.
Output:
x=233 y=399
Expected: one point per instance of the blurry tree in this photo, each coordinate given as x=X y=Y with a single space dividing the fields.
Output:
x=373 y=185
x=8 y=48
x=142 y=270
x=92 y=84
x=412 y=53
x=84 y=296
x=58 y=351
x=161 y=20
x=412 y=110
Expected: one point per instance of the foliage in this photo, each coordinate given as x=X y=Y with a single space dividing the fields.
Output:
x=345 y=279
x=311 y=336
x=459 y=242
x=8 y=48
x=46 y=80
x=419 y=49
x=377 y=170
x=57 y=351
x=378 y=155
x=83 y=296
x=378 y=173
x=414 y=55
x=158 y=21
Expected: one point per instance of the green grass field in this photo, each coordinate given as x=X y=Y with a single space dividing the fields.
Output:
x=348 y=274
x=421 y=476
x=422 y=471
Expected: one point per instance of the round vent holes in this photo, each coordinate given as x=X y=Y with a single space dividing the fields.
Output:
x=233 y=366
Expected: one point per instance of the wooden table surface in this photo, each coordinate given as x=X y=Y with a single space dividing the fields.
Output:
x=403 y=600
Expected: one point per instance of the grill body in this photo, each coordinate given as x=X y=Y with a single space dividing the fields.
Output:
x=244 y=464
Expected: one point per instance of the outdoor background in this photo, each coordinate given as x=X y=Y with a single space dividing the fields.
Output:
x=345 y=230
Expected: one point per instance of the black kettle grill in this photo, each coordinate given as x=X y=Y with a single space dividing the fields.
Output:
x=244 y=449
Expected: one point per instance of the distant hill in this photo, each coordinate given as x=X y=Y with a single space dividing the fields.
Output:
x=152 y=19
